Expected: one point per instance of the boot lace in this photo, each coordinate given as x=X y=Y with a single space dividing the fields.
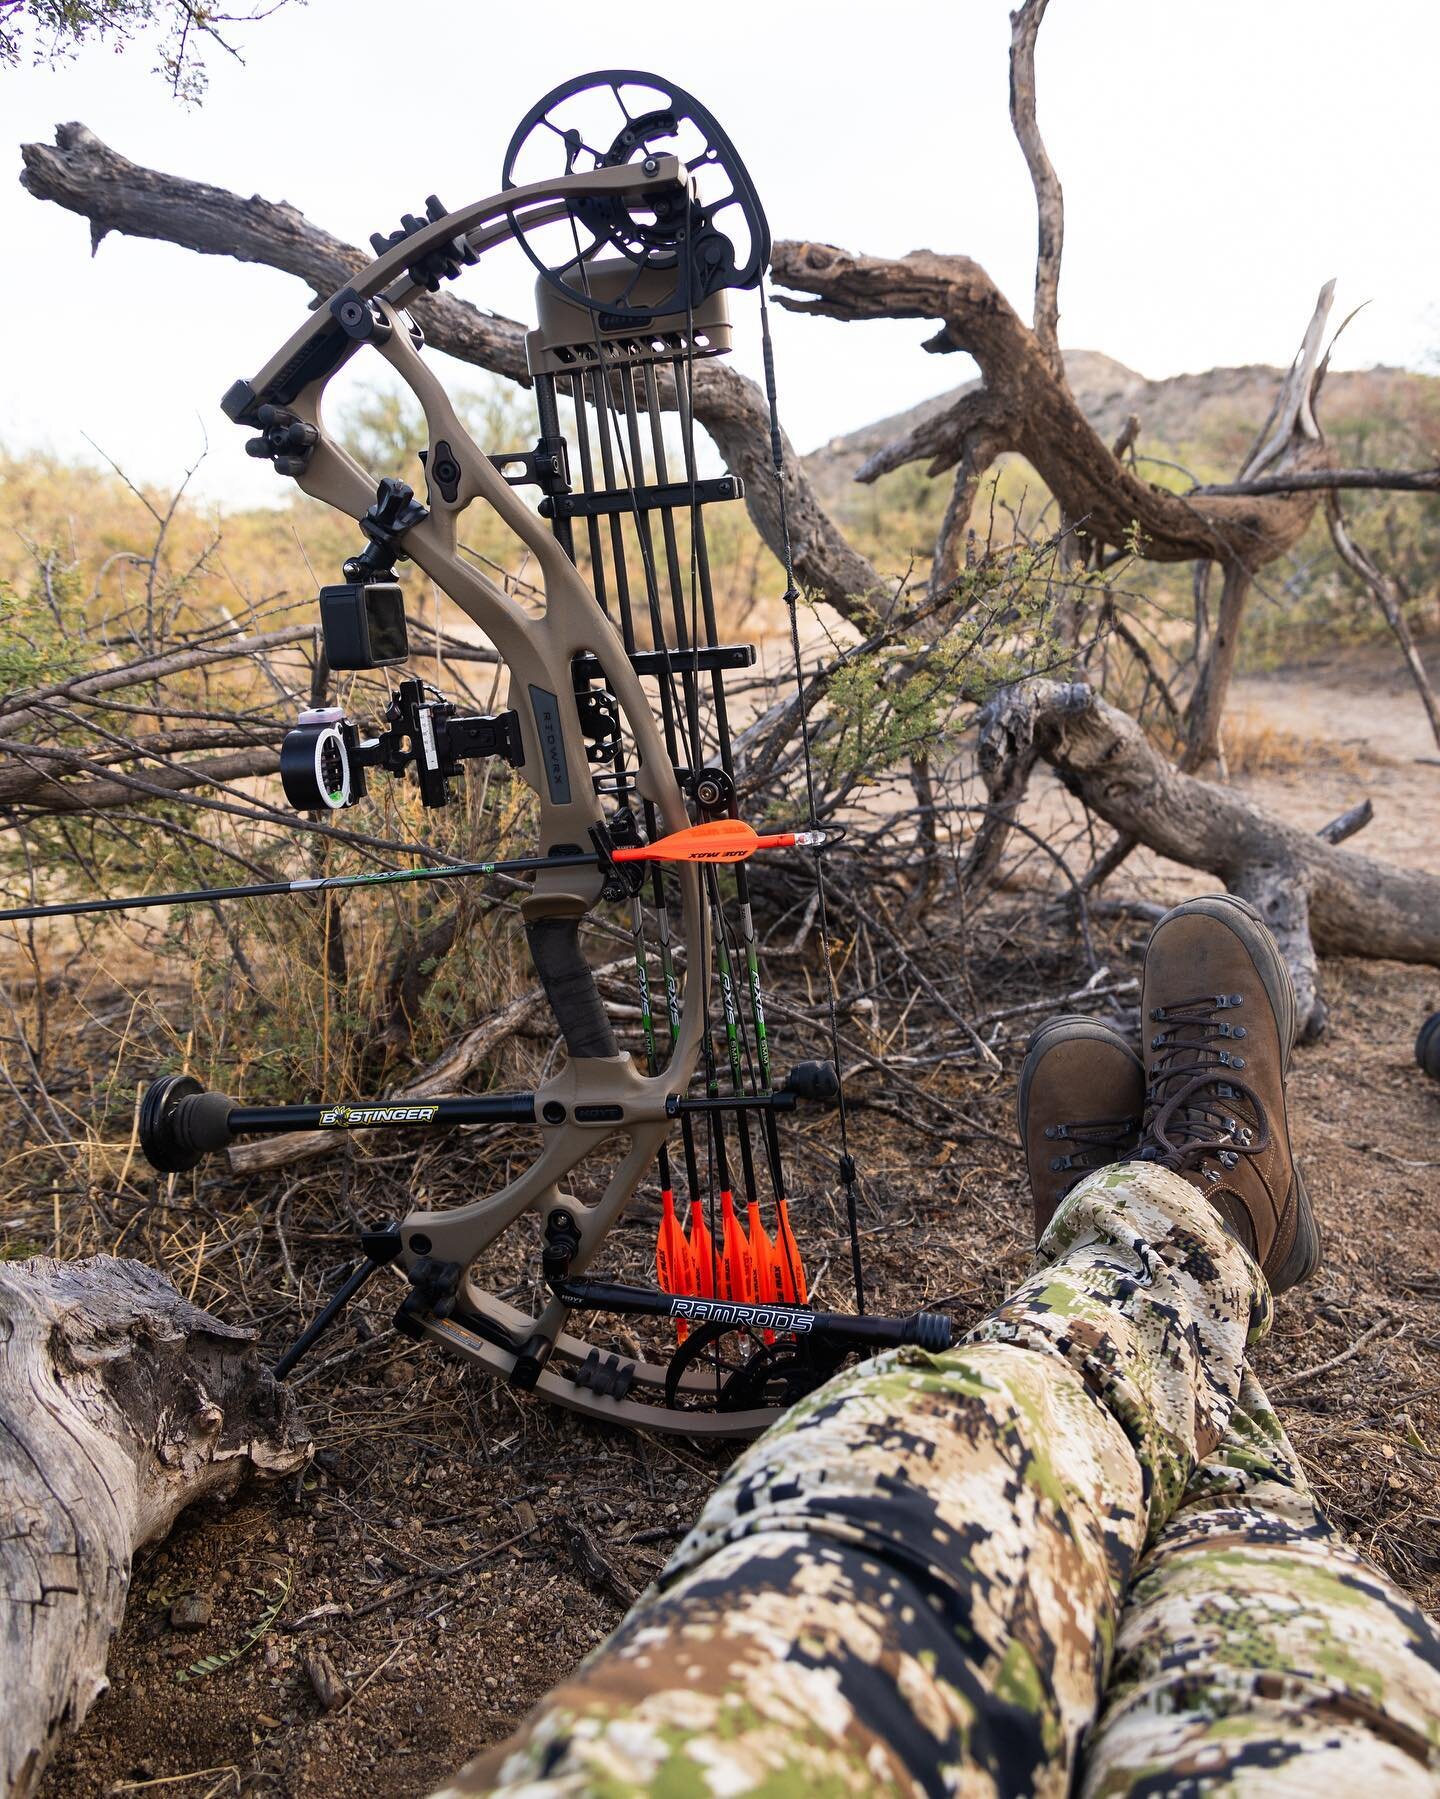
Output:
x=1098 y=1141
x=1198 y=1108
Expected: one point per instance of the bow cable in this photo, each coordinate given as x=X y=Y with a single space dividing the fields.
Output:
x=848 y=1172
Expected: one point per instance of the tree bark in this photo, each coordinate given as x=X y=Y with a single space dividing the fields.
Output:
x=1314 y=896
x=1031 y=408
x=120 y=1405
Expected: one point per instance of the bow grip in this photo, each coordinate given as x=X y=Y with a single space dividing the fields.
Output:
x=569 y=984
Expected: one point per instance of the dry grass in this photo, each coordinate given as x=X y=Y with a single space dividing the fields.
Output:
x=1256 y=746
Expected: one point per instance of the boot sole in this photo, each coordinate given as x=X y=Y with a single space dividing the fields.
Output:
x=1247 y=924
x=1069 y=1025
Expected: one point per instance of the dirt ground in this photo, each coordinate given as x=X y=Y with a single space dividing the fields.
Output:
x=454 y=1548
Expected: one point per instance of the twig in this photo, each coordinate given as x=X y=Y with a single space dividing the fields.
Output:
x=1304 y=1374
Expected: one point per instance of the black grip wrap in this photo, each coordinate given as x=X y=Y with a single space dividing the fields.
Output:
x=570 y=986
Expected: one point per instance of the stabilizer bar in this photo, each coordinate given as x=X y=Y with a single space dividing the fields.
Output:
x=926 y=1330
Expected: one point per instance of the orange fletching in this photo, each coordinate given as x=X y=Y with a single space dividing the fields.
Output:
x=702 y=1251
x=737 y=1270
x=789 y=1269
x=717 y=840
x=762 y=1258
x=762 y=1255
x=674 y=1262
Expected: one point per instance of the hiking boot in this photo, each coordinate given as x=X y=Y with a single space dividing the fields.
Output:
x=1080 y=1103
x=1219 y=1005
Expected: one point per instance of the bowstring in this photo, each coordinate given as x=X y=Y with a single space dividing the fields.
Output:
x=758 y=1060
x=606 y=420
x=743 y=1060
x=600 y=383
x=848 y=1172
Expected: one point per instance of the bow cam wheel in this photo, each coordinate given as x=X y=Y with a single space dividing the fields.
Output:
x=716 y=238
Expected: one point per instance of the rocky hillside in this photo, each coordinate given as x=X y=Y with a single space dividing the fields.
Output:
x=1207 y=421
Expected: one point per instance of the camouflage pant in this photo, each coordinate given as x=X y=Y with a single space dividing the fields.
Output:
x=1076 y=1551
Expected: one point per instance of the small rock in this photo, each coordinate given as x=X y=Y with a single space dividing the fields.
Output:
x=192 y=1611
x=325 y=1679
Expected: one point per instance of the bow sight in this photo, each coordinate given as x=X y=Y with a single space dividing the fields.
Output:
x=323 y=760
x=641 y=220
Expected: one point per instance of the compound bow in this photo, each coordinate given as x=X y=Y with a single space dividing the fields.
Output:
x=656 y=220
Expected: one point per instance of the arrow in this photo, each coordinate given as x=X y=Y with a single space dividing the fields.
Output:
x=720 y=840
x=326 y=884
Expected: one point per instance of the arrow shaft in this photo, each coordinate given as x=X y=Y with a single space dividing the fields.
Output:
x=667 y=849
x=268 y=889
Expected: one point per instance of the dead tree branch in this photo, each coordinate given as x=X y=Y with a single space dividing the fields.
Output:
x=1314 y=896
x=1319 y=479
x=1390 y=596
x=1049 y=200
x=1029 y=406
x=23 y=709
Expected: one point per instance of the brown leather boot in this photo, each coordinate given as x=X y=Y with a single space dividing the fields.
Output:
x=1080 y=1102
x=1218 y=1001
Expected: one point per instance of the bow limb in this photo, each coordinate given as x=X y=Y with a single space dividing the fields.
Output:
x=321 y=345
x=461 y=1233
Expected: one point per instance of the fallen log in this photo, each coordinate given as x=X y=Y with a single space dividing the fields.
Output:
x=1314 y=896
x=120 y=1405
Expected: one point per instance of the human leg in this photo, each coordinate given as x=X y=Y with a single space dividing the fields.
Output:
x=1258 y=1653
x=911 y=1583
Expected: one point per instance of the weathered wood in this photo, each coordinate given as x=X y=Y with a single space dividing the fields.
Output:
x=1353 y=819
x=1314 y=896
x=1390 y=480
x=120 y=1405
x=1049 y=198
x=1040 y=418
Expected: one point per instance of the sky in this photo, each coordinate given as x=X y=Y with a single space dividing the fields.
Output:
x=1219 y=161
